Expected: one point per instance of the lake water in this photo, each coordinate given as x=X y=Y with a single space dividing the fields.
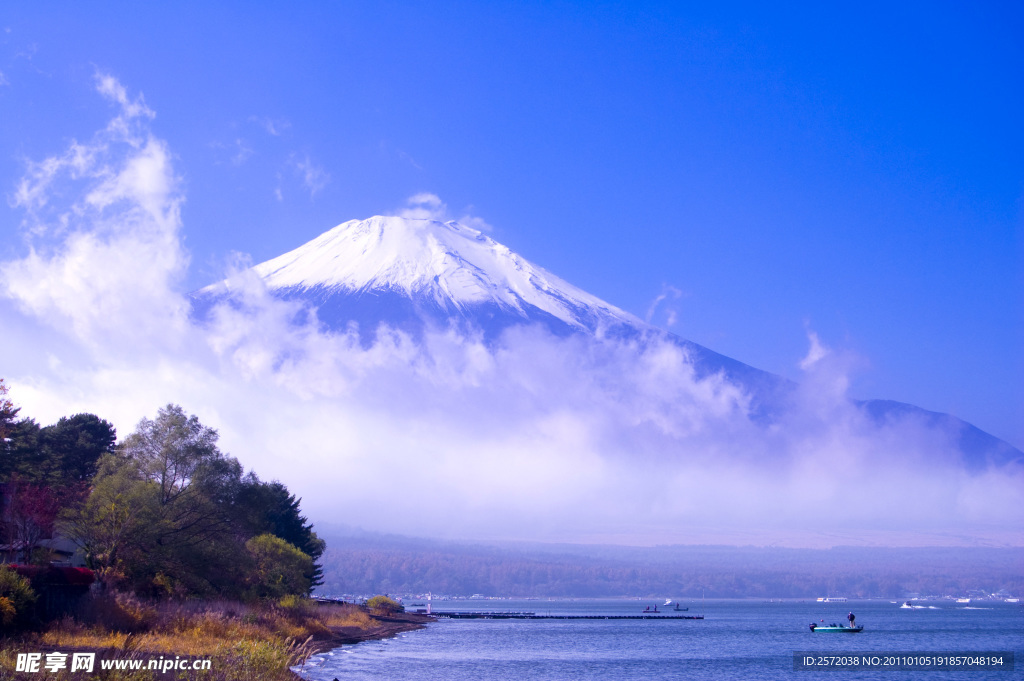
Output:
x=738 y=639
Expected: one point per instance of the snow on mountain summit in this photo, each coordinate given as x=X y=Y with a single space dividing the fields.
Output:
x=446 y=265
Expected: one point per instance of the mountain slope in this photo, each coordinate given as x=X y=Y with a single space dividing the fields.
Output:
x=419 y=274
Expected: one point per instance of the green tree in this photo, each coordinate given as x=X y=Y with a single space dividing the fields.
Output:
x=21 y=453
x=268 y=507
x=161 y=507
x=281 y=569
x=170 y=513
x=74 y=445
x=44 y=470
x=60 y=455
x=119 y=523
x=8 y=412
x=178 y=453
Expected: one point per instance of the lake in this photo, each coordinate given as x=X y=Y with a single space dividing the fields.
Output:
x=738 y=639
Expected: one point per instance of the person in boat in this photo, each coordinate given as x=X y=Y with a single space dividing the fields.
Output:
x=852 y=618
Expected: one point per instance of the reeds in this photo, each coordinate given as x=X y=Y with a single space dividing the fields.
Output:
x=244 y=641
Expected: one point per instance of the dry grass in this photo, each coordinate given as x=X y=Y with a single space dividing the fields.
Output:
x=246 y=642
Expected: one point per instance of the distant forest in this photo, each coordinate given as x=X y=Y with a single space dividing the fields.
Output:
x=365 y=563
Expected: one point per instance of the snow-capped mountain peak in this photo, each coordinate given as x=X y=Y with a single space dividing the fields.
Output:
x=445 y=265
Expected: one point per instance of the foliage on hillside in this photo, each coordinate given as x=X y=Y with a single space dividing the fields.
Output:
x=162 y=513
x=416 y=566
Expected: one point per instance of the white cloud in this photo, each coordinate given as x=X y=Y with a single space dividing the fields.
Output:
x=272 y=126
x=531 y=436
x=425 y=206
x=409 y=159
x=114 y=251
x=238 y=150
x=666 y=301
x=313 y=176
x=111 y=88
x=815 y=353
x=429 y=206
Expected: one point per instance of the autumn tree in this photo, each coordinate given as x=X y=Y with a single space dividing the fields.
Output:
x=29 y=514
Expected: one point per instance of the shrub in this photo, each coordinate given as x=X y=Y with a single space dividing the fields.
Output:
x=281 y=569
x=256 y=660
x=7 y=611
x=384 y=606
x=18 y=598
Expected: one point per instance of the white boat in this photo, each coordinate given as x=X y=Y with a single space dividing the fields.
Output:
x=831 y=599
x=1013 y=600
x=963 y=600
x=668 y=601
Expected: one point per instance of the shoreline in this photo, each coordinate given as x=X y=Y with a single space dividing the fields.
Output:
x=248 y=641
x=389 y=626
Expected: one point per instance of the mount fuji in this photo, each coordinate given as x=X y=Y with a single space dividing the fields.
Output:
x=421 y=274
x=415 y=273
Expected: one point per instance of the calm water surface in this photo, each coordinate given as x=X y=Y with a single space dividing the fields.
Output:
x=739 y=639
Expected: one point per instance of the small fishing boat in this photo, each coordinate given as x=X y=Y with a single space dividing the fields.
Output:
x=839 y=628
x=836 y=628
x=678 y=609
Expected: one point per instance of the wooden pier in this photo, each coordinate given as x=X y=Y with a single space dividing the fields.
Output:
x=534 y=616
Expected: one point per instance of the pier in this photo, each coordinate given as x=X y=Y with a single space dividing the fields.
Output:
x=535 y=616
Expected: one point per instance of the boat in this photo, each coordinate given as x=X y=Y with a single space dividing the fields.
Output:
x=831 y=599
x=963 y=600
x=1013 y=600
x=836 y=628
x=648 y=609
x=678 y=609
x=668 y=601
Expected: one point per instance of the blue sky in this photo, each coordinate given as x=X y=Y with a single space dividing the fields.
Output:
x=857 y=172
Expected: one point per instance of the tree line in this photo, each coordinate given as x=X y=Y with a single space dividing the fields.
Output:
x=163 y=512
x=398 y=565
